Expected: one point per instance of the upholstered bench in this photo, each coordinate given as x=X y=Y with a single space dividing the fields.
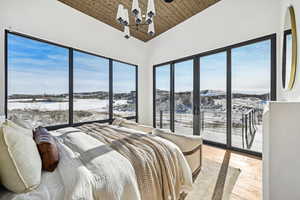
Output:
x=191 y=146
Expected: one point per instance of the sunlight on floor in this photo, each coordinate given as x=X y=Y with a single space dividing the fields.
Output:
x=249 y=183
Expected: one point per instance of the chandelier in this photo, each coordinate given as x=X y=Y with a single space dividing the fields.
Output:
x=123 y=17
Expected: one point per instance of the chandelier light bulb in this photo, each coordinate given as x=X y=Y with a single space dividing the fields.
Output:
x=151 y=9
x=120 y=14
x=126 y=17
x=126 y=32
x=151 y=29
x=135 y=8
x=149 y=20
x=138 y=18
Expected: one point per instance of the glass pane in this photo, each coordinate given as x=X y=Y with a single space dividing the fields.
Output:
x=213 y=97
x=38 y=82
x=288 y=63
x=251 y=67
x=91 y=88
x=162 y=101
x=184 y=97
x=124 y=82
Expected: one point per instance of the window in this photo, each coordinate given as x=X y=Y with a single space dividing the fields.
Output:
x=162 y=96
x=124 y=90
x=38 y=81
x=56 y=86
x=251 y=89
x=213 y=97
x=183 y=96
x=91 y=88
x=219 y=94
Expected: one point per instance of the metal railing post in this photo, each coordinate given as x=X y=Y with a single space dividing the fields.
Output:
x=202 y=120
x=243 y=130
x=161 y=119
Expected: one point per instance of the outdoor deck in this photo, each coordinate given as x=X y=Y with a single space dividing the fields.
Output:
x=220 y=137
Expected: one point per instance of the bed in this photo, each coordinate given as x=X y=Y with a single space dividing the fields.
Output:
x=123 y=161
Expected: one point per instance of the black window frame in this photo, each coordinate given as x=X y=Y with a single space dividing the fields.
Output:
x=171 y=66
x=285 y=35
x=71 y=80
x=196 y=95
x=112 y=89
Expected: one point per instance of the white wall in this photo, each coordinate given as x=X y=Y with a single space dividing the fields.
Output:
x=56 y=22
x=294 y=94
x=227 y=22
x=281 y=177
x=281 y=130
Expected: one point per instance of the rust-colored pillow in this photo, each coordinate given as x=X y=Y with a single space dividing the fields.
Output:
x=47 y=148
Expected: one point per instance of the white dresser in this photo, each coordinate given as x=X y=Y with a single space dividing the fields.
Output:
x=281 y=151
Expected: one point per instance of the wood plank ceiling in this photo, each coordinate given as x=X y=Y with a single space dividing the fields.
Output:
x=167 y=16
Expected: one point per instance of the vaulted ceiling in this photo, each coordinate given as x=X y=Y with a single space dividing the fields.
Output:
x=167 y=16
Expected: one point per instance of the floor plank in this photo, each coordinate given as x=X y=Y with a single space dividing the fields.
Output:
x=249 y=183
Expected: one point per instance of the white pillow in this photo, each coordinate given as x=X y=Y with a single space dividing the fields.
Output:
x=20 y=122
x=19 y=128
x=20 y=163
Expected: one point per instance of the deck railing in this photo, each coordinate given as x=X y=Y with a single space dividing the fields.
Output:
x=249 y=127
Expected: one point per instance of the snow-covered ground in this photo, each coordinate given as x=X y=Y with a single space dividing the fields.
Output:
x=79 y=104
x=214 y=128
x=47 y=113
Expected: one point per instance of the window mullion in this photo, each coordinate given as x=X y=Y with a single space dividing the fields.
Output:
x=172 y=98
x=229 y=97
x=136 y=94
x=110 y=90
x=71 y=85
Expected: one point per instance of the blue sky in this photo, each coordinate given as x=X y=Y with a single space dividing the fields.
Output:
x=124 y=77
x=88 y=69
x=163 y=77
x=36 y=68
x=251 y=66
x=250 y=71
x=184 y=76
x=39 y=68
x=213 y=72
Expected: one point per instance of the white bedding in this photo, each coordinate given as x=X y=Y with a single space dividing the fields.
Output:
x=51 y=188
x=91 y=170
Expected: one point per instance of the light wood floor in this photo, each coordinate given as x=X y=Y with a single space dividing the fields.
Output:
x=249 y=183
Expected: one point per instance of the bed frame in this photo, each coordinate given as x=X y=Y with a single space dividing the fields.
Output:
x=197 y=171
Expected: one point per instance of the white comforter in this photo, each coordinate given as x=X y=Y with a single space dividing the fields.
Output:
x=91 y=170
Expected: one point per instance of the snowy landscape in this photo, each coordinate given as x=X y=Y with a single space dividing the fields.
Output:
x=213 y=115
x=50 y=110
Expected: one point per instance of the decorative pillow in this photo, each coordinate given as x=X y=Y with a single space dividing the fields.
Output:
x=47 y=148
x=21 y=129
x=21 y=122
x=132 y=125
x=20 y=168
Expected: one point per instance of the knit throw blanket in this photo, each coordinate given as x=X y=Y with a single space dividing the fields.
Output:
x=156 y=166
